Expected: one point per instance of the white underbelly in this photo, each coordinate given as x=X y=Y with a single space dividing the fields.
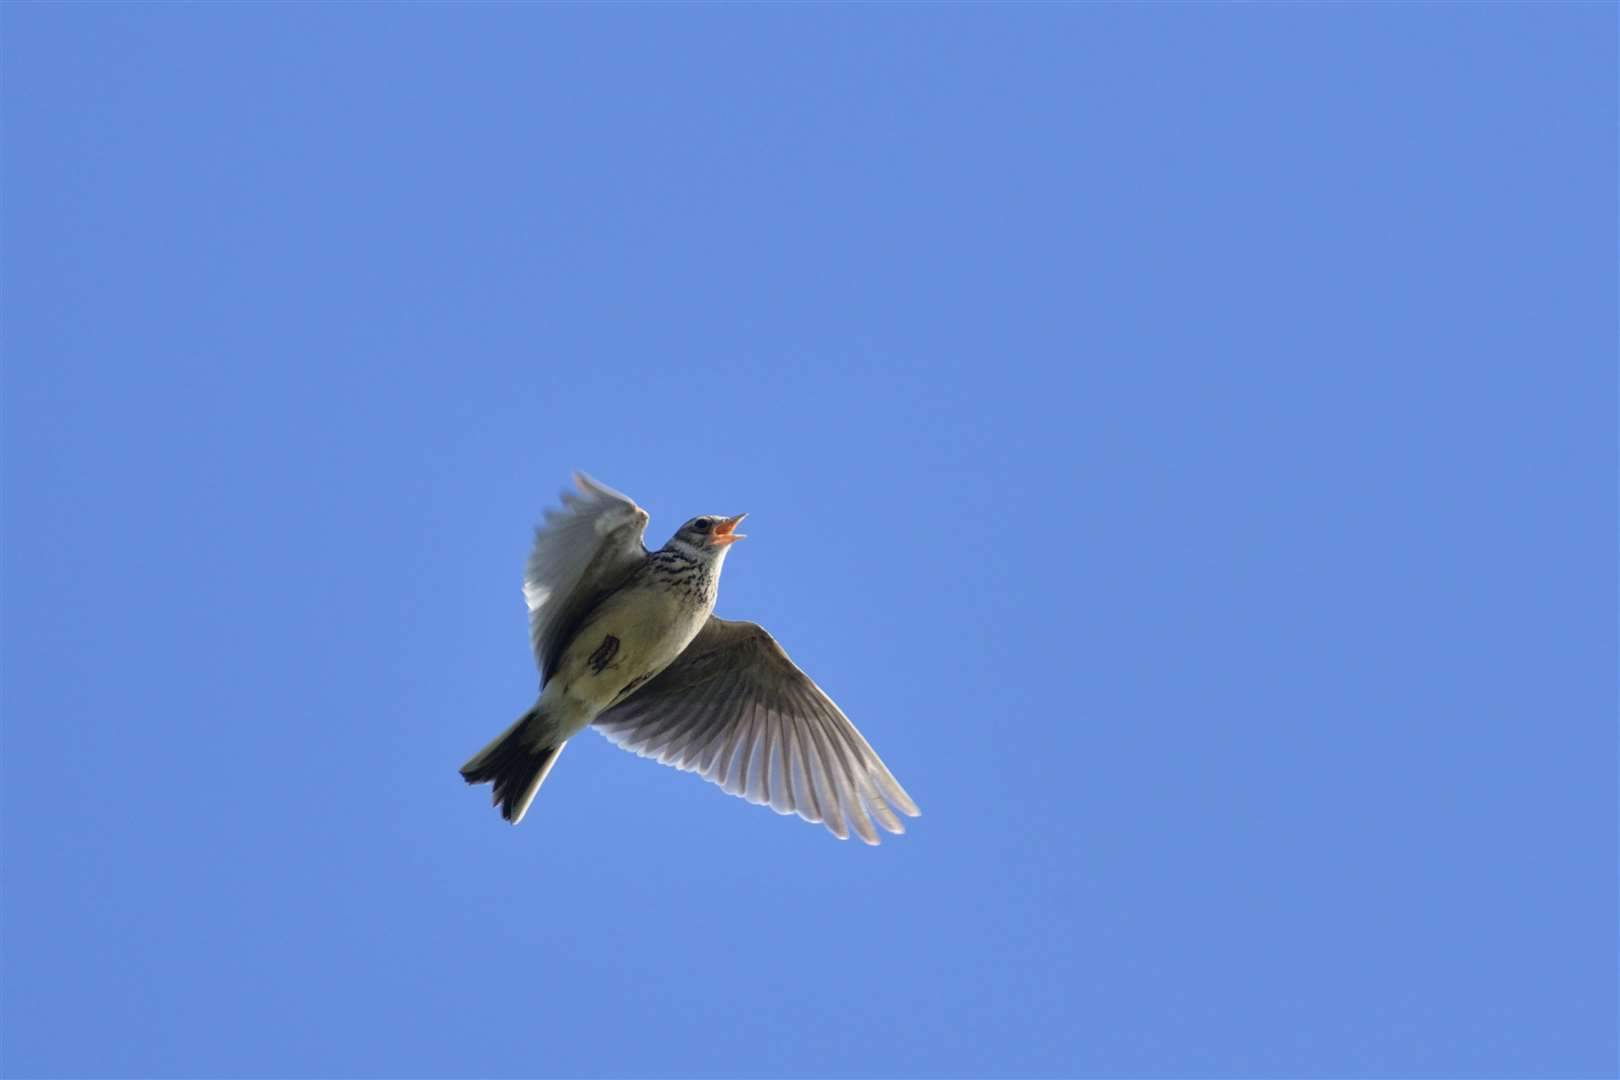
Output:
x=631 y=638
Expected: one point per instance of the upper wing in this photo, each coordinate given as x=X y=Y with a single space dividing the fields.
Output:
x=581 y=551
x=735 y=709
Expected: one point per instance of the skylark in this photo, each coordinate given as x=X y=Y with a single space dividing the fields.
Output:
x=626 y=639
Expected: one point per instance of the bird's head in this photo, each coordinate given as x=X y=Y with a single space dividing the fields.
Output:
x=709 y=535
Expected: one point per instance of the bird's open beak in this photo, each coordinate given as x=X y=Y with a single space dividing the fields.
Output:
x=723 y=533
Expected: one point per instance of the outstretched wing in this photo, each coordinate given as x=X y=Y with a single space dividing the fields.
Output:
x=581 y=552
x=736 y=710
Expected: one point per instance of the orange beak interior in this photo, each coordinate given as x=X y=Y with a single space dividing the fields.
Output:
x=724 y=533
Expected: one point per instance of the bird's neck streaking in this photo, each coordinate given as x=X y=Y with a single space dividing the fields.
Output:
x=689 y=570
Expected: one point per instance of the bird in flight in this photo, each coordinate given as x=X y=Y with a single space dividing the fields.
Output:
x=627 y=640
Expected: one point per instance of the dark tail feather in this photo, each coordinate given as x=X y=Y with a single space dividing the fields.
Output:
x=515 y=765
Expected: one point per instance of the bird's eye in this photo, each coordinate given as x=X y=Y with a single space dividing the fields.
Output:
x=702 y=524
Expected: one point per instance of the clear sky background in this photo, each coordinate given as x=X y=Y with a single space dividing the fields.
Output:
x=1183 y=439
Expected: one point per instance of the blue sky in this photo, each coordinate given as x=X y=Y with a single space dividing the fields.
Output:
x=1182 y=438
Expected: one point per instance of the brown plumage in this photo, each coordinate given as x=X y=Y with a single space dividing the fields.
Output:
x=627 y=640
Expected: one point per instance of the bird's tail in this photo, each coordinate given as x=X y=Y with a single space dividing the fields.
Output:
x=516 y=763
